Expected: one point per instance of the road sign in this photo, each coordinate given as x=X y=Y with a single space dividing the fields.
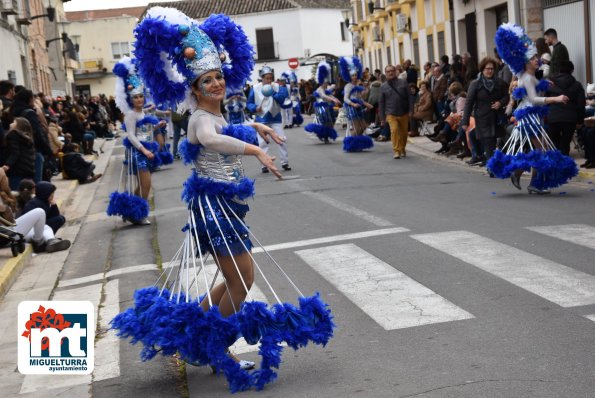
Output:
x=293 y=63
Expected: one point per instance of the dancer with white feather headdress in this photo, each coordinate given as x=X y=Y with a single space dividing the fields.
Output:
x=355 y=140
x=529 y=148
x=186 y=312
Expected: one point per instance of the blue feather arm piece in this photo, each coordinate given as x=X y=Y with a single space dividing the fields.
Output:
x=357 y=143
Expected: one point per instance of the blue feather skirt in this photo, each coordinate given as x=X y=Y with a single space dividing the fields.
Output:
x=168 y=319
x=357 y=143
x=123 y=202
x=323 y=123
x=529 y=147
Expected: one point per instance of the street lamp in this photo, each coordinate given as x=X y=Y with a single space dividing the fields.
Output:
x=346 y=14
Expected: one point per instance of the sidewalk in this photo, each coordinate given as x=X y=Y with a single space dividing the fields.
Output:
x=11 y=267
x=423 y=146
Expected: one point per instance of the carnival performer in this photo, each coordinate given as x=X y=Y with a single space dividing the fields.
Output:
x=132 y=204
x=355 y=140
x=171 y=317
x=287 y=105
x=265 y=101
x=296 y=100
x=235 y=104
x=324 y=119
x=529 y=147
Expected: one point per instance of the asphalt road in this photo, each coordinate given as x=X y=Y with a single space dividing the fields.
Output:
x=447 y=294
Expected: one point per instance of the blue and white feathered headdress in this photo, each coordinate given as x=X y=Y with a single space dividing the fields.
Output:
x=323 y=72
x=128 y=83
x=230 y=91
x=350 y=66
x=514 y=47
x=289 y=76
x=173 y=51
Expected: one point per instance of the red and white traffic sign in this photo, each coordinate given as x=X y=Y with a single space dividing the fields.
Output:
x=293 y=63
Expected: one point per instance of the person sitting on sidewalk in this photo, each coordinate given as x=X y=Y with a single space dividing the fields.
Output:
x=423 y=109
x=75 y=167
x=44 y=199
x=32 y=226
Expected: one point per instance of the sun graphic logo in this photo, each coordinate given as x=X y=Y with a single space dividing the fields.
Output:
x=56 y=337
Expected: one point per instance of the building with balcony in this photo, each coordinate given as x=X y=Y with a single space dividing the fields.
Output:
x=279 y=30
x=391 y=31
x=14 y=42
x=102 y=37
x=61 y=52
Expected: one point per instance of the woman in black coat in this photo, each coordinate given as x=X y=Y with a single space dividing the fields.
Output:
x=20 y=152
x=22 y=106
x=486 y=100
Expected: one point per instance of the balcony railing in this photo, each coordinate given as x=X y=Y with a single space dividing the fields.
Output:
x=91 y=65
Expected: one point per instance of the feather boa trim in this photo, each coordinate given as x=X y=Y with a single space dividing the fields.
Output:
x=322 y=132
x=197 y=185
x=188 y=151
x=357 y=143
x=539 y=110
x=127 y=205
x=553 y=168
x=166 y=323
x=150 y=145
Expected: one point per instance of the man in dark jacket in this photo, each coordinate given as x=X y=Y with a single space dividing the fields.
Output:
x=44 y=199
x=395 y=105
x=564 y=119
x=559 y=51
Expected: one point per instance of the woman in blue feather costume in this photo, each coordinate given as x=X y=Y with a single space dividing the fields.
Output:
x=324 y=120
x=187 y=312
x=351 y=72
x=132 y=204
x=529 y=148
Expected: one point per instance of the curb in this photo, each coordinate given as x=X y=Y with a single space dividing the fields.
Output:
x=11 y=269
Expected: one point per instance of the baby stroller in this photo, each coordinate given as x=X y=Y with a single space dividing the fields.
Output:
x=8 y=237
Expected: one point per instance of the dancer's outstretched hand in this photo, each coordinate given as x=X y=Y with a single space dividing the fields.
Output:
x=266 y=132
x=269 y=162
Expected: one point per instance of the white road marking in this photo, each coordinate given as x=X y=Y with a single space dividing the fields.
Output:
x=107 y=347
x=388 y=296
x=579 y=234
x=591 y=317
x=33 y=383
x=555 y=282
x=364 y=215
x=270 y=248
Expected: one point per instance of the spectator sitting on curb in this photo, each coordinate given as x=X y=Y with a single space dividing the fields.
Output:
x=75 y=167
x=5 y=191
x=44 y=199
x=32 y=226
x=26 y=192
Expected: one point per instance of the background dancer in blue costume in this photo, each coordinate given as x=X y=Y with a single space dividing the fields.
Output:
x=176 y=315
x=294 y=95
x=132 y=204
x=351 y=72
x=324 y=119
x=287 y=105
x=235 y=104
x=265 y=101
x=529 y=147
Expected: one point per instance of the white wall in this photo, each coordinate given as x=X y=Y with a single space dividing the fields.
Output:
x=295 y=31
x=11 y=45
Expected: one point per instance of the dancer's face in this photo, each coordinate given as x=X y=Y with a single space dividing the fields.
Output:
x=533 y=64
x=210 y=86
x=138 y=101
x=267 y=79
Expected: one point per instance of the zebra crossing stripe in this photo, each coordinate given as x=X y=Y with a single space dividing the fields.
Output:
x=555 y=282
x=591 y=317
x=580 y=234
x=388 y=296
